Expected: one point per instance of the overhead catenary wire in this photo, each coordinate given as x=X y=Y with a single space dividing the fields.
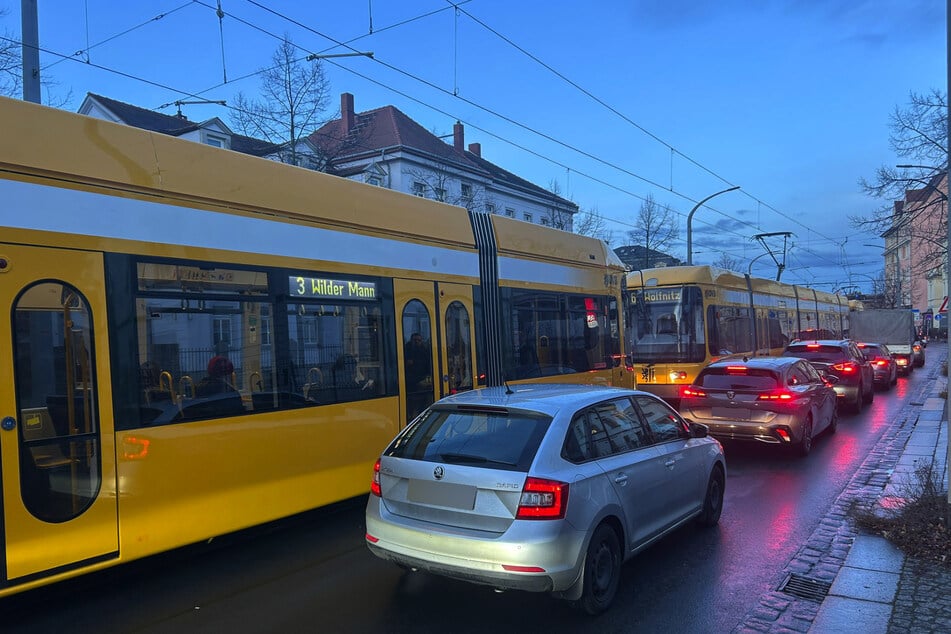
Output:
x=567 y=167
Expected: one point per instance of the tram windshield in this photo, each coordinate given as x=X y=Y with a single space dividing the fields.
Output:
x=665 y=325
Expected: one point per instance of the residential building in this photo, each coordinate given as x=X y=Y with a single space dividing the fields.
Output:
x=212 y=131
x=385 y=147
x=381 y=147
x=916 y=248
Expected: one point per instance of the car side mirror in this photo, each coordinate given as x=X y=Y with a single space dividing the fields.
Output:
x=697 y=430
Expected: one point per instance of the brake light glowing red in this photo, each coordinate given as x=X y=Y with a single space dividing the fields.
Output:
x=542 y=500
x=736 y=369
x=691 y=391
x=777 y=396
x=846 y=368
x=881 y=362
x=812 y=345
x=375 y=483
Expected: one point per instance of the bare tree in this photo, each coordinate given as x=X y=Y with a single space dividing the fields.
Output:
x=11 y=68
x=295 y=94
x=919 y=135
x=655 y=227
x=728 y=262
x=439 y=183
x=562 y=215
x=590 y=222
x=11 y=71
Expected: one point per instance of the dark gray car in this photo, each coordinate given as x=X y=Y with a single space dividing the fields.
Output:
x=773 y=400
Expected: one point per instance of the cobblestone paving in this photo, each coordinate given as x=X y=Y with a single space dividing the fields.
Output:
x=824 y=553
x=923 y=602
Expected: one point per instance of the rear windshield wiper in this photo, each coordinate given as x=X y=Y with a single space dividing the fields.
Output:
x=473 y=459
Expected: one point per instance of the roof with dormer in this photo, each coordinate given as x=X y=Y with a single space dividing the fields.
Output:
x=388 y=128
x=177 y=125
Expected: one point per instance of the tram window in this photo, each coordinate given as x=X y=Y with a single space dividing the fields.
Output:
x=555 y=334
x=459 y=348
x=197 y=359
x=336 y=352
x=54 y=374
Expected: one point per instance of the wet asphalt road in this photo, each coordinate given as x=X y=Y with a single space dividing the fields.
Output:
x=313 y=573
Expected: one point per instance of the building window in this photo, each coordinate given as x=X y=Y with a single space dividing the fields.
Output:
x=466 y=191
x=221 y=335
x=546 y=222
x=419 y=189
x=375 y=181
x=440 y=194
x=489 y=208
x=527 y=217
x=509 y=212
x=216 y=141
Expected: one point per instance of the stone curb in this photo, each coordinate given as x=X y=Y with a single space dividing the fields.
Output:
x=824 y=553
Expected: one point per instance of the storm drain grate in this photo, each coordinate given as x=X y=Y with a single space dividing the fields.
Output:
x=805 y=587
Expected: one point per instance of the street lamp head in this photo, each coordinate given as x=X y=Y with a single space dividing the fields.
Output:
x=690 y=221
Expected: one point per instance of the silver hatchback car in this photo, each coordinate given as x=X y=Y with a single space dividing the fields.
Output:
x=545 y=488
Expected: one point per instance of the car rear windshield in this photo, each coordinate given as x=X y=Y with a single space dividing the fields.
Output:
x=870 y=352
x=749 y=379
x=496 y=438
x=823 y=354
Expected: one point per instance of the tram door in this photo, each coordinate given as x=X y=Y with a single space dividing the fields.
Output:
x=57 y=454
x=435 y=327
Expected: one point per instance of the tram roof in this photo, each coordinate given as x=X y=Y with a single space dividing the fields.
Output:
x=705 y=274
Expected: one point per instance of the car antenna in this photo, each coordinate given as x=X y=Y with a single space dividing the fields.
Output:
x=508 y=390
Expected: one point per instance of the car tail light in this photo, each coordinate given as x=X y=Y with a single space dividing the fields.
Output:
x=375 y=483
x=692 y=391
x=846 y=368
x=901 y=361
x=881 y=362
x=542 y=500
x=778 y=396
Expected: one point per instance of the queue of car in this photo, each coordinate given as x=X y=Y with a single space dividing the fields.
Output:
x=551 y=488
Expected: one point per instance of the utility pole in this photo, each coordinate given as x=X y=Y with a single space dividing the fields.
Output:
x=29 y=25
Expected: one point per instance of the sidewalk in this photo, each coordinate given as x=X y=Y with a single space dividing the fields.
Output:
x=844 y=581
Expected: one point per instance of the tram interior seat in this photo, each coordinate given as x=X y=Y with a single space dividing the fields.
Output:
x=38 y=425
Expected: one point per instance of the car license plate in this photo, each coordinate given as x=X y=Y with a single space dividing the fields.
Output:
x=731 y=413
x=458 y=496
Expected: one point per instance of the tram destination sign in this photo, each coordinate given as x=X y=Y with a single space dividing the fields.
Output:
x=327 y=288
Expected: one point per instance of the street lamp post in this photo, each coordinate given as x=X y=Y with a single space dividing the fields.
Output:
x=690 y=221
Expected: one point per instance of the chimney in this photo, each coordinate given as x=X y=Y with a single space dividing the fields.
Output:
x=476 y=148
x=458 y=137
x=347 y=115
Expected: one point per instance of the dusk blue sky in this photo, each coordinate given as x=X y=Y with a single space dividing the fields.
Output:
x=679 y=99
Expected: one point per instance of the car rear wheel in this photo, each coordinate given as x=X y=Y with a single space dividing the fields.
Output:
x=805 y=445
x=834 y=421
x=602 y=571
x=713 y=502
x=870 y=395
x=856 y=405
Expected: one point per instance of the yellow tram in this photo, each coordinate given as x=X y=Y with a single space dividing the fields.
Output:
x=199 y=341
x=679 y=319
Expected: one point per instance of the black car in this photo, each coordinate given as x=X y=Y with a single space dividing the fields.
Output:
x=884 y=366
x=843 y=359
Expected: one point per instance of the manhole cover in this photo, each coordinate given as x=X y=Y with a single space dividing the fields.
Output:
x=805 y=587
